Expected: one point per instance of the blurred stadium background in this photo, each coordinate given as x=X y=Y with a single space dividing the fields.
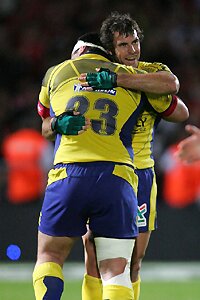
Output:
x=35 y=35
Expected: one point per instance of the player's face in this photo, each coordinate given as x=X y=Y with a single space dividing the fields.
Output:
x=127 y=48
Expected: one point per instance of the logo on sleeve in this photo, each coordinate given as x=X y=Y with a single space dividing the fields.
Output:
x=141 y=212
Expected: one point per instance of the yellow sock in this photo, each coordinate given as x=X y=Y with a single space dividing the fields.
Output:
x=136 y=288
x=48 y=281
x=91 y=288
x=117 y=292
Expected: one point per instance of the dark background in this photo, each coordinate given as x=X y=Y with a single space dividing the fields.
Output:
x=177 y=238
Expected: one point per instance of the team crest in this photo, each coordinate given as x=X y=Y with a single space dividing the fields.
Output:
x=141 y=220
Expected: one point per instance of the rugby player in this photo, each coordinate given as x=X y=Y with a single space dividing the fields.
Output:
x=88 y=169
x=121 y=35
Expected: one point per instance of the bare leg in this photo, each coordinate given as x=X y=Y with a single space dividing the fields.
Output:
x=141 y=245
x=48 y=277
x=90 y=255
x=92 y=284
x=142 y=242
x=55 y=249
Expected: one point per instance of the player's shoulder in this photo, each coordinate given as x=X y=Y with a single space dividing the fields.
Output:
x=128 y=69
x=50 y=71
x=48 y=75
x=152 y=67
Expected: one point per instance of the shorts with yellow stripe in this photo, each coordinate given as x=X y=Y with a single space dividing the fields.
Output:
x=103 y=192
x=147 y=204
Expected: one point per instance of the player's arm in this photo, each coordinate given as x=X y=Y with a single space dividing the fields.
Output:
x=44 y=113
x=180 y=112
x=68 y=123
x=47 y=131
x=161 y=82
x=171 y=108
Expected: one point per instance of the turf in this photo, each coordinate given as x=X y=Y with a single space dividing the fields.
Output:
x=189 y=290
x=24 y=291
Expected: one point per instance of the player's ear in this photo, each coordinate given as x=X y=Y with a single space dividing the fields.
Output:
x=81 y=50
x=78 y=52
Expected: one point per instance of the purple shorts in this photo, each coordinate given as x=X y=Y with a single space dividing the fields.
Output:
x=147 y=204
x=80 y=192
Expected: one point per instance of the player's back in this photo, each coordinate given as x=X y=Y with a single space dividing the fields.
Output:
x=113 y=113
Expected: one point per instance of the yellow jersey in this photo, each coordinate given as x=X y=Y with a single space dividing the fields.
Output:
x=113 y=113
x=148 y=120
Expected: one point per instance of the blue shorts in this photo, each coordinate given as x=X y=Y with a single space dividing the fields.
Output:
x=147 y=204
x=102 y=192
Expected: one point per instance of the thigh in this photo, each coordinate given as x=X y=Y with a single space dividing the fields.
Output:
x=64 y=207
x=147 y=204
x=54 y=249
x=115 y=205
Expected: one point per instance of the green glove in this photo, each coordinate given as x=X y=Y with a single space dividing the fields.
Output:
x=67 y=123
x=104 y=79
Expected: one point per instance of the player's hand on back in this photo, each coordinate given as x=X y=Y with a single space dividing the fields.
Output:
x=103 y=79
x=84 y=127
x=70 y=123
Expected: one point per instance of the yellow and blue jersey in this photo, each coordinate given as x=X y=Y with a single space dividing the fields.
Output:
x=113 y=113
x=148 y=120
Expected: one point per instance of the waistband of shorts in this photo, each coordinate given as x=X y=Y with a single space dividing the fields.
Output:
x=91 y=164
x=142 y=169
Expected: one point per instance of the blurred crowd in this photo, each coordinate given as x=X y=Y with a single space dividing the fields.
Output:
x=35 y=35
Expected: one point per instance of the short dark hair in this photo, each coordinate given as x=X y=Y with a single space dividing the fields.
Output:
x=91 y=37
x=94 y=38
x=116 y=22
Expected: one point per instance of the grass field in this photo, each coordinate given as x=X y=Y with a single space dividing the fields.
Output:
x=160 y=281
x=149 y=291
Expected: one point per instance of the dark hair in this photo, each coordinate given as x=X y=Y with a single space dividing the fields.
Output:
x=116 y=22
x=91 y=37
x=94 y=38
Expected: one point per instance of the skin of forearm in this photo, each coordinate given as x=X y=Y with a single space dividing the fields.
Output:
x=46 y=129
x=180 y=113
x=158 y=83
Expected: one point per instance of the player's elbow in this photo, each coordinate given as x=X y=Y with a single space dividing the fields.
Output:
x=183 y=114
x=174 y=84
x=180 y=114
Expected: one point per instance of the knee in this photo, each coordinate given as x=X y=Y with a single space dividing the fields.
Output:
x=114 y=256
x=135 y=267
x=137 y=258
x=112 y=267
x=140 y=258
x=136 y=264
